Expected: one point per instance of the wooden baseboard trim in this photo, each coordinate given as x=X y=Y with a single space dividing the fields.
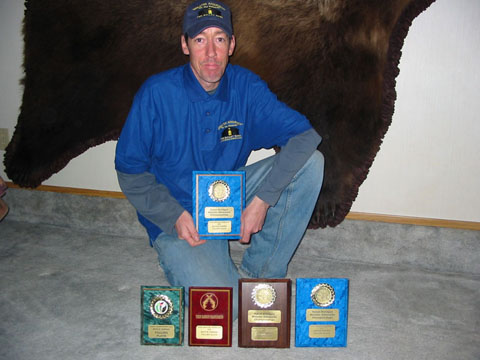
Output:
x=73 y=191
x=407 y=220
x=393 y=219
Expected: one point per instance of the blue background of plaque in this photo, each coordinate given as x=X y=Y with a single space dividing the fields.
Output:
x=303 y=302
x=236 y=182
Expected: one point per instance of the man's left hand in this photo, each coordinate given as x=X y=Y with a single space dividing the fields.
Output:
x=253 y=218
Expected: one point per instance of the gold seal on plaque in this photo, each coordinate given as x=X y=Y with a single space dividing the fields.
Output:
x=219 y=191
x=209 y=302
x=263 y=295
x=161 y=307
x=323 y=295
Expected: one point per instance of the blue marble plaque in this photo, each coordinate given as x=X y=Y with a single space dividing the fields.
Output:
x=162 y=315
x=321 y=312
x=218 y=202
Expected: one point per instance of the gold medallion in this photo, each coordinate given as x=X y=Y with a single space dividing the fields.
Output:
x=323 y=295
x=161 y=307
x=219 y=191
x=209 y=302
x=263 y=295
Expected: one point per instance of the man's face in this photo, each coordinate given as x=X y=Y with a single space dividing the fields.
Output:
x=209 y=52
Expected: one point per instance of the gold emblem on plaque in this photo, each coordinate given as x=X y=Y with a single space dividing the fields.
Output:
x=263 y=295
x=219 y=191
x=209 y=302
x=323 y=295
x=161 y=307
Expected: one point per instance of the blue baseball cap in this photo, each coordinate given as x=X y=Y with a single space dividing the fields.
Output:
x=204 y=14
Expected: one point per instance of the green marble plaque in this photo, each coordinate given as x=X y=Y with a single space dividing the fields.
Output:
x=162 y=315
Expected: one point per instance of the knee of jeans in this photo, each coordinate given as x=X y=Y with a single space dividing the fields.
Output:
x=315 y=165
x=318 y=161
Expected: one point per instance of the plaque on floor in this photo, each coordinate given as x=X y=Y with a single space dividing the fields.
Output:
x=218 y=202
x=210 y=316
x=162 y=315
x=264 y=313
x=321 y=312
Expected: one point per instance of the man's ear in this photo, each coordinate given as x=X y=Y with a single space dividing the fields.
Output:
x=184 y=45
x=232 y=46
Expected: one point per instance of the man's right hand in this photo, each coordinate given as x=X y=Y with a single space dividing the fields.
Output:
x=186 y=230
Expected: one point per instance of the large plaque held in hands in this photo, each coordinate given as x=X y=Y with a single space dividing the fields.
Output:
x=162 y=315
x=264 y=313
x=321 y=312
x=218 y=202
x=210 y=316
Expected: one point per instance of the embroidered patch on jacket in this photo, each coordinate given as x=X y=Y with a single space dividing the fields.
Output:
x=230 y=130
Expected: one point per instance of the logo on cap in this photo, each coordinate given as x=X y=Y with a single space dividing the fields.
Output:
x=209 y=12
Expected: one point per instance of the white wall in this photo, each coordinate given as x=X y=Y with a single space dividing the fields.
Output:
x=428 y=163
x=11 y=47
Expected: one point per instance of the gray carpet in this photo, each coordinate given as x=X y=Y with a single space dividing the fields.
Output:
x=72 y=267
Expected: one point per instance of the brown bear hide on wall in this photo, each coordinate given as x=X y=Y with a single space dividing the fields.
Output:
x=333 y=60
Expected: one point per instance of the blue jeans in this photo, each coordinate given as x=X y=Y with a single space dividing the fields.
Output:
x=270 y=250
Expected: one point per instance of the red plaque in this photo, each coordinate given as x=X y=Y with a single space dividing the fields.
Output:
x=210 y=316
x=264 y=313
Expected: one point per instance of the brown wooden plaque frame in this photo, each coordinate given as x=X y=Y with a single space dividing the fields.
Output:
x=282 y=304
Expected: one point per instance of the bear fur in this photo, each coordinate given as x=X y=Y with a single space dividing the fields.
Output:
x=333 y=60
